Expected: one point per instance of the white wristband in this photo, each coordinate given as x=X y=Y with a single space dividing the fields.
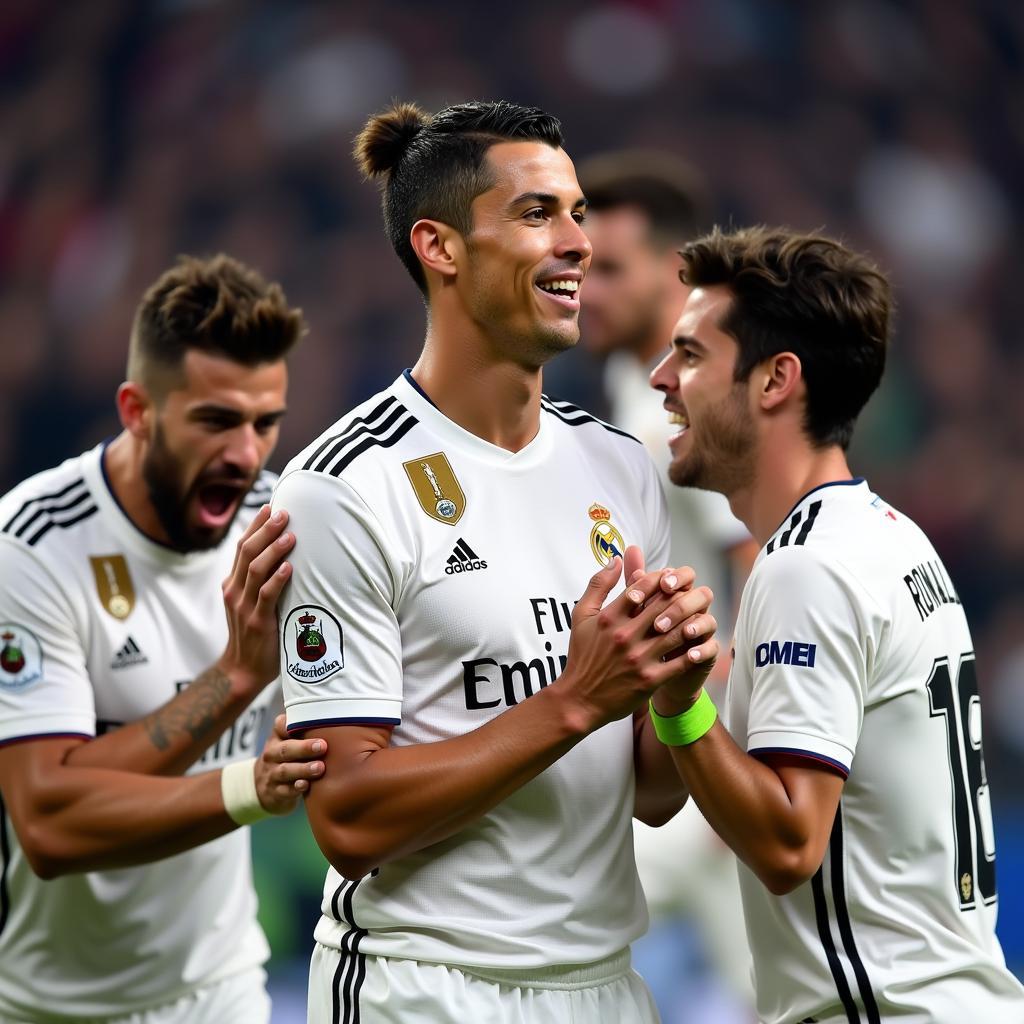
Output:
x=238 y=790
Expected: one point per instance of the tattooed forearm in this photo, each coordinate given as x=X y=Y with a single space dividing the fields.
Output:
x=195 y=711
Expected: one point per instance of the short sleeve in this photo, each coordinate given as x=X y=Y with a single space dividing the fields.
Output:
x=341 y=651
x=806 y=641
x=44 y=681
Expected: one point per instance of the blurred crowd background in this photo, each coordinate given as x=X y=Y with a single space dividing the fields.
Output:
x=133 y=130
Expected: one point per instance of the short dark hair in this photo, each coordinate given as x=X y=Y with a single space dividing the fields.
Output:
x=668 y=191
x=434 y=166
x=806 y=294
x=217 y=305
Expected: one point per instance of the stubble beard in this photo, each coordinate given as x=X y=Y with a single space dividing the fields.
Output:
x=723 y=457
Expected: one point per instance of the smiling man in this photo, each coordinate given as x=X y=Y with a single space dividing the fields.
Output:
x=120 y=669
x=851 y=780
x=489 y=742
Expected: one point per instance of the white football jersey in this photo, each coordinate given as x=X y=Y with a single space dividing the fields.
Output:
x=434 y=579
x=100 y=626
x=852 y=649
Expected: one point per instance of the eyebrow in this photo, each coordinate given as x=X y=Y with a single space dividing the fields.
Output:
x=687 y=339
x=545 y=199
x=229 y=413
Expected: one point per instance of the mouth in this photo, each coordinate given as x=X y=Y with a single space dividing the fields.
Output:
x=678 y=419
x=563 y=290
x=218 y=502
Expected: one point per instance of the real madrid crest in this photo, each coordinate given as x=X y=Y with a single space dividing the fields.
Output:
x=605 y=540
x=437 y=490
x=114 y=583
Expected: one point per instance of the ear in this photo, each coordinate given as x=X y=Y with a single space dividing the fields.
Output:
x=780 y=380
x=438 y=247
x=135 y=409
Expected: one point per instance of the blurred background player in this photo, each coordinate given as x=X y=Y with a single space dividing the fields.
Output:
x=851 y=781
x=126 y=893
x=489 y=742
x=642 y=206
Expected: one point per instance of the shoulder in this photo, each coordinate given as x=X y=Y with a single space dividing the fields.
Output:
x=57 y=499
x=587 y=426
x=378 y=424
x=825 y=554
x=352 y=464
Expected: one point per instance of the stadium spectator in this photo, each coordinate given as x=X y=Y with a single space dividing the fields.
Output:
x=126 y=892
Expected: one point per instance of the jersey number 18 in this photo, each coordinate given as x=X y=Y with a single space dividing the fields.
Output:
x=955 y=698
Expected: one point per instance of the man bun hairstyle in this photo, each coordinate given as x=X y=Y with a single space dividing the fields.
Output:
x=383 y=142
x=216 y=305
x=671 y=193
x=435 y=166
x=806 y=294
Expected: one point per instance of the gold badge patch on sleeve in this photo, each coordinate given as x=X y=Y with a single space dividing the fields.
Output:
x=114 y=583
x=437 y=490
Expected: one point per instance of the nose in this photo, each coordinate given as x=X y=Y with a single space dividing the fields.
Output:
x=662 y=376
x=574 y=243
x=244 y=449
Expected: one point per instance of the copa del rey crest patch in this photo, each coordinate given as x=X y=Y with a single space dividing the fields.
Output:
x=21 y=657
x=314 y=648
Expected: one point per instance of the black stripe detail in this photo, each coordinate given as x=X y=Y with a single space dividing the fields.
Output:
x=812 y=514
x=371 y=442
x=336 y=991
x=42 y=497
x=49 y=510
x=348 y=978
x=783 y=538
x=63 y=524
x=867 y=995
x=576 y=417
x=360 y=978
x=466 y=549
x=5 y=861
x=827 y=942
x=376 y=431
x=350 y=955
x=348 y=428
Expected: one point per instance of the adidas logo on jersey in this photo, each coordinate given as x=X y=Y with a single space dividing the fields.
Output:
x=128 y=655
x=463 y=559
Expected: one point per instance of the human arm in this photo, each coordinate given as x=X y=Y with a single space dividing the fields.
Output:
x=378 y=802
x=775 y=802
x=775 y=814
x=175 y=735
x=71 y=819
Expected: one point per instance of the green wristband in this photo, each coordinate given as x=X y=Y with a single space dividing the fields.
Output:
x=688 y=727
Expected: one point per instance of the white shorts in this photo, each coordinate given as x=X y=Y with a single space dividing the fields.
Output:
x=353 y=988
x=237 y=999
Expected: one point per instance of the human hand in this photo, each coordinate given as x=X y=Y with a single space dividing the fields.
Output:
x=655 y=631
x=695 y=632
x=251 y=591
x=286 y=768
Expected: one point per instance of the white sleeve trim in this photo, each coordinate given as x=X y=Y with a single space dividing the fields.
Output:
x=306 y=714
x=59 y=722
x=801 y=743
